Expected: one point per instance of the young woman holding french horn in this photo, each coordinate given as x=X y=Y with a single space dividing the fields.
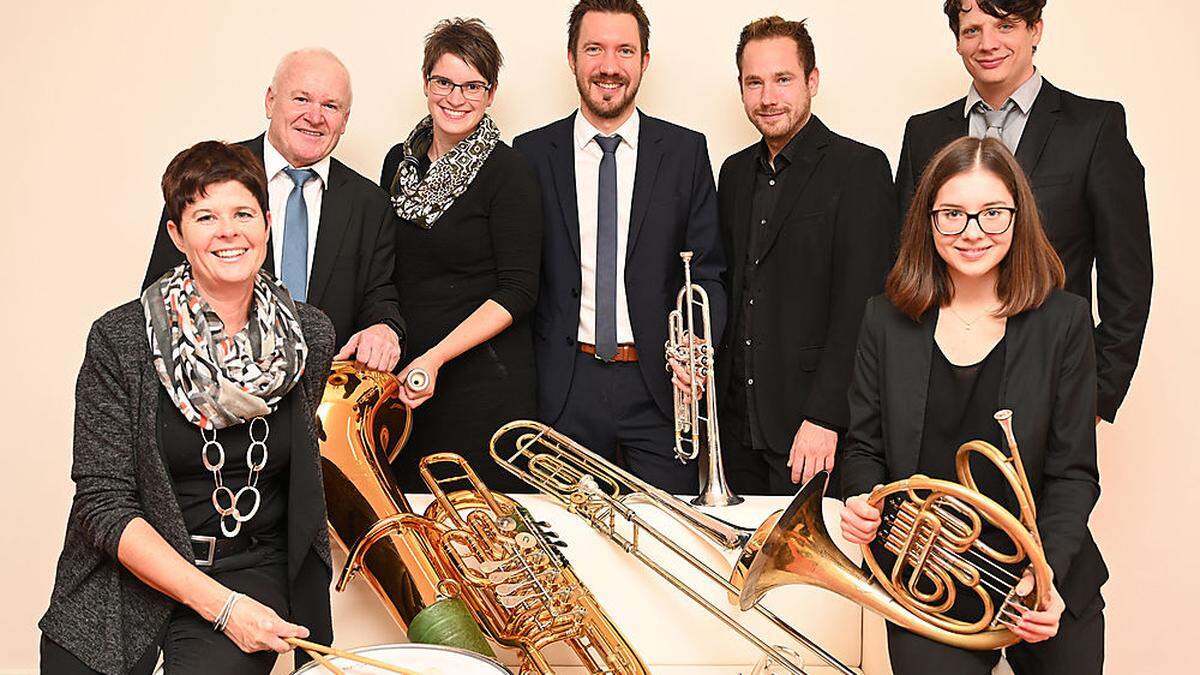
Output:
x=974 y=320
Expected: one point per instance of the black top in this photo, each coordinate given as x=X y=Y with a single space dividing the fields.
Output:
x=767 y=184
x=959 y=408
x=486 y=246
x=181 y=444
x=822 y=253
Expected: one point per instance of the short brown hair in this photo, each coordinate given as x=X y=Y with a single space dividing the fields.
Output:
x=778 y=27
x=1030 y=271
x=631 y=7
x=1029 y=11
x=469 y=40
x=207 y=163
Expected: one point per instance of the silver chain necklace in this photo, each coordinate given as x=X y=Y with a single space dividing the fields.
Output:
x=221 y=492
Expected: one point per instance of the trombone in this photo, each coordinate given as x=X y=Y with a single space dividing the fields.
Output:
x=697 y=430
x=603 y=494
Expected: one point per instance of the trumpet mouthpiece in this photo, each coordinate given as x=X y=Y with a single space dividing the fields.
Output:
x=1003 y=415
x=686 y=256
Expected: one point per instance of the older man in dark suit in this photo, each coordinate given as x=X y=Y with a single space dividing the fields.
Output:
x=1089 y=184
x=623 y=193
x=331 y=231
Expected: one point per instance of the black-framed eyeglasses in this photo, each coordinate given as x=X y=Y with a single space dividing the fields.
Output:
x=992 y=220
x=472 y=91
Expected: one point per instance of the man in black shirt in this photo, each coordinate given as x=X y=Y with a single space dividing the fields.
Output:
x=806 y=220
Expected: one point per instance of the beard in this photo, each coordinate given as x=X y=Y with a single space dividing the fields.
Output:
x=782 y=128
x=607 y=107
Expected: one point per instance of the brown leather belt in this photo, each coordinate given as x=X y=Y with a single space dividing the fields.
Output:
x=625 y=353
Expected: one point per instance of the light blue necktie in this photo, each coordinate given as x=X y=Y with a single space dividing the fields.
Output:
x=606 y=250
x=295 y=236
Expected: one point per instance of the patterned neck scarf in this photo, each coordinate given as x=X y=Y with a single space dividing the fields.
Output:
x=424 y=201
x=217 y=380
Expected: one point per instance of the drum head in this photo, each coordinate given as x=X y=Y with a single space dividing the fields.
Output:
x=432 y=659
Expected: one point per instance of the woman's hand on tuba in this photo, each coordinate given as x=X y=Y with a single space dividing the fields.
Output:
x=860 y=520
x=1038 y=625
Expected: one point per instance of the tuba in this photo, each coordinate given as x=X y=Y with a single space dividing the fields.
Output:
x=603 y=494
x=471 y=543
x=933 y=528
x=697 y=430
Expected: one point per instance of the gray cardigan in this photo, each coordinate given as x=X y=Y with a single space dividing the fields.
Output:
x=99 y=611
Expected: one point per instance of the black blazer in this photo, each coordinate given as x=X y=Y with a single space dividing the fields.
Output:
x=351 y=278
x=825 y=253
x=1049 y=383
x=1091 y=192
x=674 y=209
x=99 y=611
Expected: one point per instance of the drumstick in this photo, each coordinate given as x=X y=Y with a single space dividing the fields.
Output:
x=325 y=663
x=340 y=653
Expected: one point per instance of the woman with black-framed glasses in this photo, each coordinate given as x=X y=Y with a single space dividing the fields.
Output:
x=975 y=320
x=468 y=252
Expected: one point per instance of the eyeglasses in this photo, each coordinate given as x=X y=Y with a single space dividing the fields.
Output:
x=992 y=220
x=472 y=91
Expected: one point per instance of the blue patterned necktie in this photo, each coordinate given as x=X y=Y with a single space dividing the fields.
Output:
x=606 y=250
x=295 y=236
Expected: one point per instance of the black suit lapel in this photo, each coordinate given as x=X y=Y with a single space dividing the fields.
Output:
x=811 y=151
x=332 y=232
x=649 y=156
x=562 y=164
x=912 y=350
x=1042 y=118
x=743 y=205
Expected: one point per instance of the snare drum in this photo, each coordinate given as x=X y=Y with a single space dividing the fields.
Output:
x=432 y=659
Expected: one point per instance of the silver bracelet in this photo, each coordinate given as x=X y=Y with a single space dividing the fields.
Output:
x=222 y=619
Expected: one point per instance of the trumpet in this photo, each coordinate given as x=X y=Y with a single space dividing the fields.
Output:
x=697 y=431
x=470 y=543
x=603 y=495
x=933 y=528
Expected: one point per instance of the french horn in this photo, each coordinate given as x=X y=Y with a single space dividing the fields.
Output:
x=933 y=529
x=470 y=543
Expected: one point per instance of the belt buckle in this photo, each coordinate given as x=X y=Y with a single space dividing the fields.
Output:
x=212 y=549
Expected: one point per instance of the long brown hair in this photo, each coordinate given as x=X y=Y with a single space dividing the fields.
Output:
x=1029 y=272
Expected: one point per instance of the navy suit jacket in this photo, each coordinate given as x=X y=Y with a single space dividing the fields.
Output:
x=674 y=209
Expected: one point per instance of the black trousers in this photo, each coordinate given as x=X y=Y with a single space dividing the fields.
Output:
x=1078 y=649
x=610 y=411
x=755 y=471
x=188 y=643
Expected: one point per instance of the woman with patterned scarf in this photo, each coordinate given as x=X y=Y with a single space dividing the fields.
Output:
x=468 y=252
x=198 y=523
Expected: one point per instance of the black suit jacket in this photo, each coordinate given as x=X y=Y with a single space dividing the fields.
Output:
x=351 y=277
x=674 y=209
x=824 y=254
x=1049 y=383
x=1091 y=193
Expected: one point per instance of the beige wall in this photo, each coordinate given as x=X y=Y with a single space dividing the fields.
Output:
x=98 y=96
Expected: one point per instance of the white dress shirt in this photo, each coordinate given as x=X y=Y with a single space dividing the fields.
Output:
x=587 y=179
x=279 y=186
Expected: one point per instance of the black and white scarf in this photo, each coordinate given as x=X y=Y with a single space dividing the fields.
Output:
x=218 y=380
x=424 y=201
